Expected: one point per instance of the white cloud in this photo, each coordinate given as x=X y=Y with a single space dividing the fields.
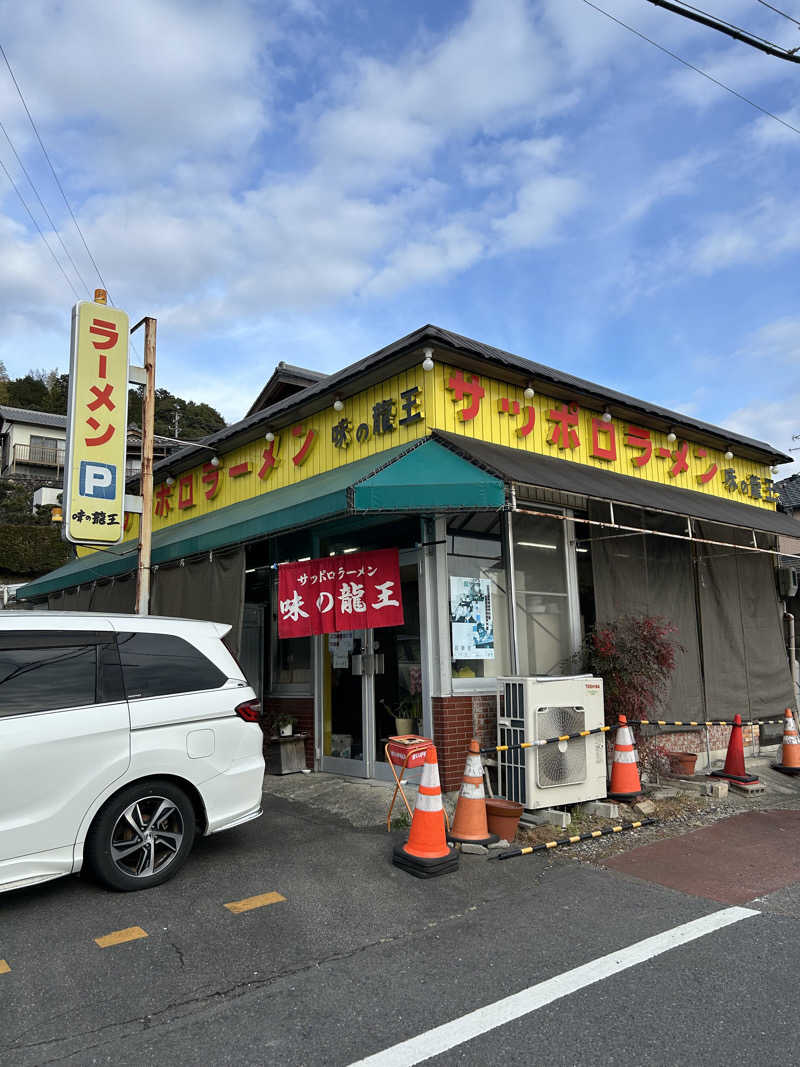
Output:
x=142 y=85
x=767 y=133
x=774 y=422
x=676 y=177
x=768 y=229
x=541 y=207
x=450 y=249
x=776 y=342
x=738 y=67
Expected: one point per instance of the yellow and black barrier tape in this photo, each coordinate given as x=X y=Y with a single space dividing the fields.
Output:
x=706 y=722
x=630 y=722
x=529 y=849
x=548 y=740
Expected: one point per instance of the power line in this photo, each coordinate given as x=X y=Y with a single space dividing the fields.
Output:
x=41 y=234
x=696 y=15
x=52 y=169
x=779 y=12
x=691 y=66
x=44 y=209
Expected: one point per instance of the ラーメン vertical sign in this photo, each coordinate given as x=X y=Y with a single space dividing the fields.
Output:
x=94 y=466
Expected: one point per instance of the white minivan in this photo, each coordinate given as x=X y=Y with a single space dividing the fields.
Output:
x=121 y=737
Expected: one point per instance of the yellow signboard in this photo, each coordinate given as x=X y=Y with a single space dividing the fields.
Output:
x=410 y=405
x=94 y=468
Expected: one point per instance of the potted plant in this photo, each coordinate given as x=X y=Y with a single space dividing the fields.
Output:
x=404 y=713
x=284 y=725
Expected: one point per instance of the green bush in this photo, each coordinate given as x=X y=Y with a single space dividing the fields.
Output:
x=31 y=550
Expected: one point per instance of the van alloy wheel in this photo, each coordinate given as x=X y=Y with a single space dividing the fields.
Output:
x=142 y=836
x=146 y=837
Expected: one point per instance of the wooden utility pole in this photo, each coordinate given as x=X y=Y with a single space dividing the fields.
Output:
x=146 y=490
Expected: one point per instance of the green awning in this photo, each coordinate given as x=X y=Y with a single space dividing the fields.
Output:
x=424 y=477
x=428 y=478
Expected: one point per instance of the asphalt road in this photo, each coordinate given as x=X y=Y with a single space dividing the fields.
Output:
x=360 y=957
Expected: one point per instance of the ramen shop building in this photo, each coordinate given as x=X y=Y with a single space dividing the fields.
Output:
x=388 y=540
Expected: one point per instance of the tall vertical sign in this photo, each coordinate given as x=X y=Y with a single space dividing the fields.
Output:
x=94 y=465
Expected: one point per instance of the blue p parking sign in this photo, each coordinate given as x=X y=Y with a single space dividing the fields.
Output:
x=98 y=480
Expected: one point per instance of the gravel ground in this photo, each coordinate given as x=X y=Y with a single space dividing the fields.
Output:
x=676 y=815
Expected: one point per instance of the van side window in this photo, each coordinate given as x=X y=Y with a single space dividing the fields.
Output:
x=47 y=670
x=159 y=664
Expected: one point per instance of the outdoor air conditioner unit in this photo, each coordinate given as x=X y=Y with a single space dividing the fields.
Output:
x=563 y=772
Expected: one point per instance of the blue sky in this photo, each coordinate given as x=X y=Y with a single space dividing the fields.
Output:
x=310 y=180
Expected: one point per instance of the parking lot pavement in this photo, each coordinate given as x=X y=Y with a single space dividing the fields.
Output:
x=289 y=930
x=262 y=904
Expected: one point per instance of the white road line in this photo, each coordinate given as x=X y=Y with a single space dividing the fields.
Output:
x=434 y=1042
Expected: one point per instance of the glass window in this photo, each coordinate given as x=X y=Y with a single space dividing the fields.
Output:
x=160 y=664
x=477 y=598
x=44 y=449
x=290 y=659
x=291 y=663
x=44 y=671
x=540 y=578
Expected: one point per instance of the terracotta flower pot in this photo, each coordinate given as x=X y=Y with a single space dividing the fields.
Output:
x=502 y=817
x=682 y=762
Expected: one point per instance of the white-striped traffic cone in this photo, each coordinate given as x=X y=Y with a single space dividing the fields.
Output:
x=625 y=783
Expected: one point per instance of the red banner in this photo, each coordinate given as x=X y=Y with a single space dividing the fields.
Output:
x=354 y=592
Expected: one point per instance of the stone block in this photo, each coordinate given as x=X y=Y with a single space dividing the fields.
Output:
x=474 y=850
x=645 y=807
x=547 y=816
x=606 y=809
x=498 y=845
x=748 y=788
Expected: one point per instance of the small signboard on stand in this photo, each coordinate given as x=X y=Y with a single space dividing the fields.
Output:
x=406 y=751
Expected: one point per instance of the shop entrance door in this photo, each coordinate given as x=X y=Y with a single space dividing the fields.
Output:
x=371 y=682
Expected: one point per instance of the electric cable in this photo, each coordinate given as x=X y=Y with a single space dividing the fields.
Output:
x=779 y=12
x=53 y=171
x=691 y=66
x=728 y=28
x=44 y=209
x=39 y=228
x=724 y=22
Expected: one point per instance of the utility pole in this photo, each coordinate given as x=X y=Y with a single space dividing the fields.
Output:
x=146 y=485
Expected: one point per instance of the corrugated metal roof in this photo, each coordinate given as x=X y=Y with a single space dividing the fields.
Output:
x=548 y=472
x=350 y=380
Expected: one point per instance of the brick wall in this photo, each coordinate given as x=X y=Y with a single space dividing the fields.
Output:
x=456 y=720
x=302 y=709
x=695 y=740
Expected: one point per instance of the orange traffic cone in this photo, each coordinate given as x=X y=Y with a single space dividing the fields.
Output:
x=625 y=783
x=790 y=751
x=734 y=769
x=426 y=853
x=469 y=821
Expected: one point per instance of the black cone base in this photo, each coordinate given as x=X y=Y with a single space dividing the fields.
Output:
x=748 y=779
x=490 y=840
x=424 y=868
x=785 y=770
x=625 y=796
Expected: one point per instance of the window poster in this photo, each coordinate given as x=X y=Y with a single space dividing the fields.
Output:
x=472 y=618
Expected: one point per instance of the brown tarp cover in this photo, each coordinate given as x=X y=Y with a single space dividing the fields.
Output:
x=208 y=587
x=745 y=668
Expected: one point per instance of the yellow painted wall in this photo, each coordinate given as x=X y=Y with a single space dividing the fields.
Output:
x=440 y=410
